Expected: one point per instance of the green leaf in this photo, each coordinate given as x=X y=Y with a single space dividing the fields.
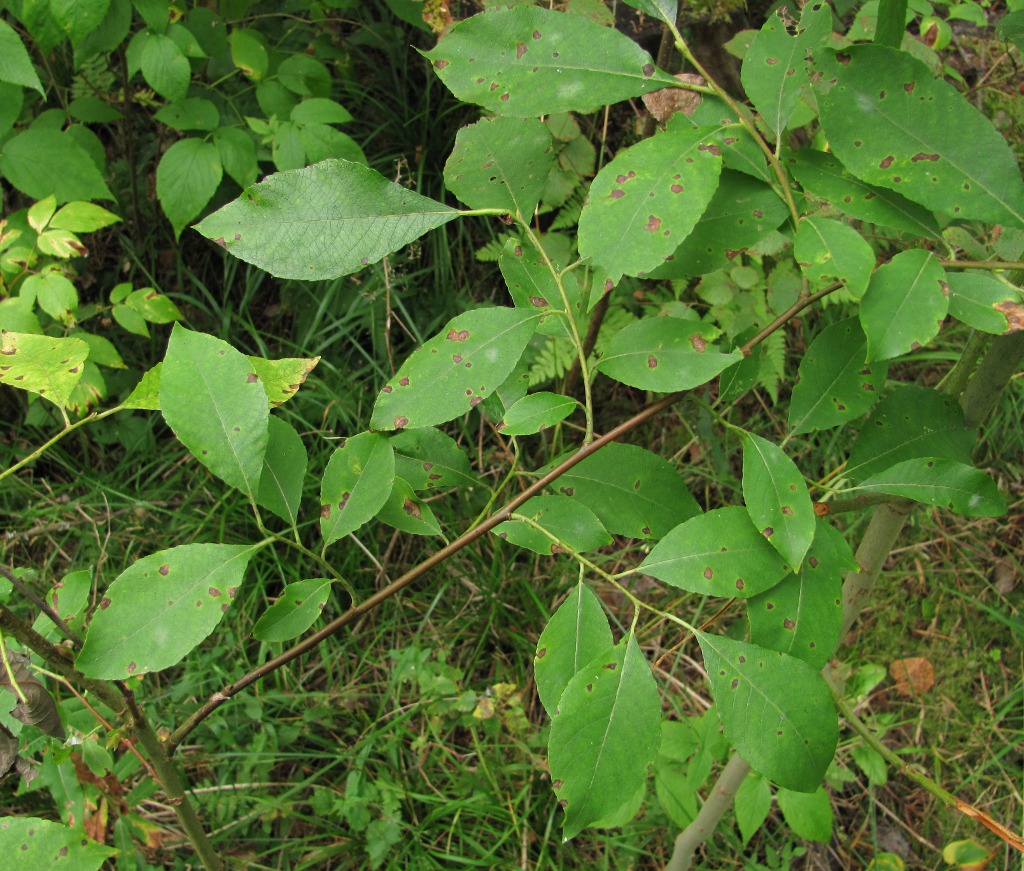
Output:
x=165 y=69
x=93 y=110
x=574 y=525
x=525 y=61
x=304 y=75
x=942 y=482
x=186 y=179
x=666 y=10
x=213 y=401
x=45 y=365
x=146 y=395
x=740 y=151
x=808 y=814
x=911 y=422
x=322 y=142
x=892 y=124
x=904 y=305
x=28 y=162
x=776 y=710
x=237 y=154
x=872 y=763
x=298 y=608
x=533 y=287
x=101 y=350
x=828 y=251
x=287 y=149
x=741 y=213
x=719 y=553
x=322 y=221
x=249 y=53
x=777 y=498
x=664 y=354
x=985 y=303
x=834 y=384
x=647 y=200
x=17 y=315
x=773 y=72
x=604 y=736
x=282 y=378
x=78 y=18
x=15 y=63
x=82 y=218
x=190 y=113
x=159 y=609
x=576 y=634
x=54 y=293
x=37 y=843
x=155 y=308
x=803 y=615
x=404 y=510
x=130 y=319
x=501 y=163
x=356 y=484
x=428 y=459
x=535 y=412
x=68 y=599
x=633 y=491
x=455 y=370
x=825 y=177
x=752 y=803
x=284 y=469
x=319 y=110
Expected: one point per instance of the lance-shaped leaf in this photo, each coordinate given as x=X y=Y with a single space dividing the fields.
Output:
x=803 y=615
x=643 y=204
x=282 y=378
x=752 y=805
x=501 y=163
x=604 y=736
x=323 y=221
x=48 y=365
x=212 y=398
x=576 y=634
x=825 y=177
x=284 y=470
x=44 y=844
x=776 y=710
x=405 y=510
x=835 y=385
x=774 y=73
x=533 y=413
x=720 y=553
x=575 y=527
x=941 y=482
x=455 y=370
x=985 y=303
x=777 y=498
x=156 y=611
x=633 y=491
x=526 y=61
x=533 y=287
x=893 y=124
x=829 y=251
x=665 y=354
x=356 y=484
x=911 y=422
x=904 y=305
x=428 y=459
x=298 y=608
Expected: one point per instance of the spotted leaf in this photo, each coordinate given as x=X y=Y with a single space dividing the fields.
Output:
x=356 y=484
x=47 y=365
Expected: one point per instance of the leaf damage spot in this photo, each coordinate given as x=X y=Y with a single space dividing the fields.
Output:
x=709 y=573
x=699 y=343
x=457 y=335
x=768 y=531
x=652 y=362
x=164 y=569
x=653 y=224
x=788 y=624
x=401 y=422
x=520 y=50
x=1014 y=314
x=411 y=508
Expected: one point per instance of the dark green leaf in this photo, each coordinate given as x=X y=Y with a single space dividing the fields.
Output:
x=904 y=305
x=777 y=498
x=237 y=154
x=776 y=710
x=576 y=634
x=646 y=201
x=666 y=10
x=525 y=61
x=911 y=422
x=298 y=608
x=941 y=482
x=404 y=510
x=284 y=469
x=604 y=736
x=633 y=491
x=322 y=221
x=835 y=385
x=501 y=163
x=321 y=142
x=213 y=401
x=46 y=365
x=774 y=73
x=186 y=179
x=985 y=303
x=191 y=113
x=664 y=354
x=78 y=18
x=15 y=64
x=428 y=459
x=456 y=369
x=165 y=68
x=892 y=124
x=575 y=527
x=535 y=412
x=28 y=162
x=356 y=484
x=720 y=553
x=752 y=803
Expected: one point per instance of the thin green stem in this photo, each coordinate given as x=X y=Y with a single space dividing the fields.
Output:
x=11 y=679
x=513 y=469
x=992 y=265
x=310 y=554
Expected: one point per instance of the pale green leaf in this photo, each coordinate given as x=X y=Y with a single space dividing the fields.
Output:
x=985 y=303
x=322 y=221
x=282 y=378
x=82 y=218
x=428 y=459
x=249 y=53
x=164 y=67
x=808 y=814
x=47 y=365
x=159 y=609
x=237 y=154
x=533 y=287
x=405 y=511
x=941 y=482
x=78 y=18
x=752 y=803
x=356 y=484
x=37 y=843
x=575 y=527
x=319 y=110
x=535 y=412
x=298 y=607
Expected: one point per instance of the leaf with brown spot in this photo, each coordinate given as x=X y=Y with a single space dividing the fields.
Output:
x=404 y=510
x=46 y=365
x=298 y=607
x=357 y=482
